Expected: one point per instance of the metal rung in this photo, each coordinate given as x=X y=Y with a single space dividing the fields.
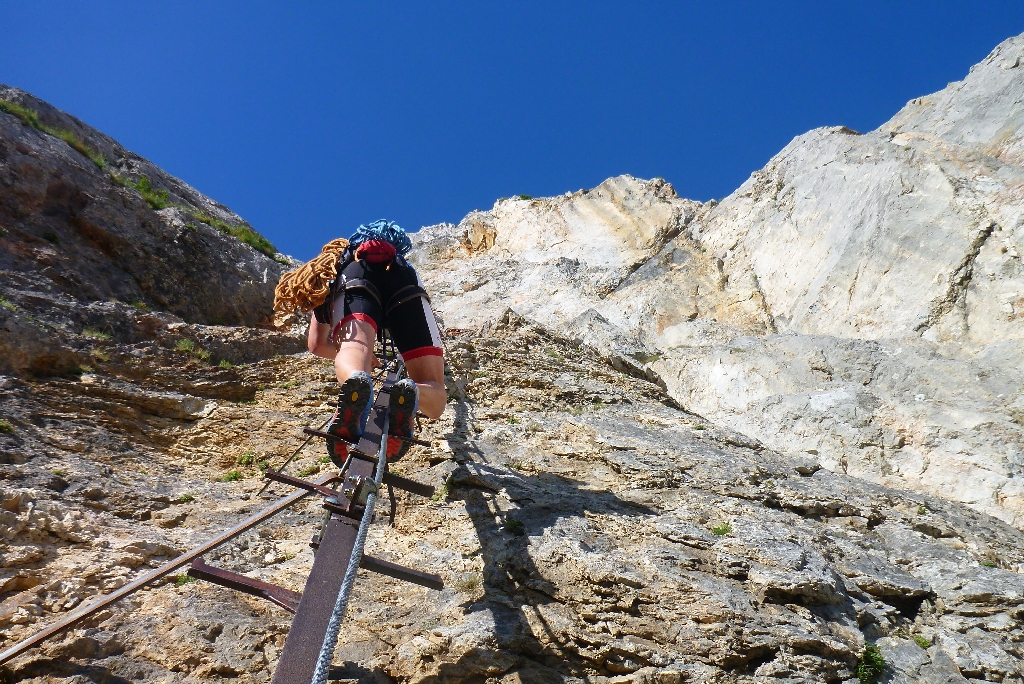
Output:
x=285 y=598
x=383 y=567
x=328 y=435
x=298 y=482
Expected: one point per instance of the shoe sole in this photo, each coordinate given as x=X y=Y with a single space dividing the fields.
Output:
x=400 y=421
x=353 y=399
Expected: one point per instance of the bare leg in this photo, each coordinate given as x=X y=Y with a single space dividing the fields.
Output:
x=352 y=350
x=428 y=374
x=355 y=349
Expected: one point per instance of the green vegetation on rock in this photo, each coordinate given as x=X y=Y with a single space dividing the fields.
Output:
x=30 y=117
x=241 y=231
x=870 y=666
x=231 y=476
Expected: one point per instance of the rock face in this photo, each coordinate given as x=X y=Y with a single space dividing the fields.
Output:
x=587 y=530
x=858 y=300
x=75 y=235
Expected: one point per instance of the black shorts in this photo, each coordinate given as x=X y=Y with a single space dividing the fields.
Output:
x=411 y=324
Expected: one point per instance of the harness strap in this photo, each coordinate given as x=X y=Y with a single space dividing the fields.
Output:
x=361 y=284
x=406 y=294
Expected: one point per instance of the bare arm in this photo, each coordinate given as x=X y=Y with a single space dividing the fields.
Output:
x=317 y=342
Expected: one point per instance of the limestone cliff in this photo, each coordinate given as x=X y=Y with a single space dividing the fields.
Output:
x=857 y=300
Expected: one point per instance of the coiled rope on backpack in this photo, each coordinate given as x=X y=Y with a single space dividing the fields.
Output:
x=308 y=286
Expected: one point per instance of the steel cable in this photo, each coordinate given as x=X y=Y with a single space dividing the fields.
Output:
x=323 y=663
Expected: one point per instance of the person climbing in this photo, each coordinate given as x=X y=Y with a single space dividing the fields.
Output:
x=355 y=288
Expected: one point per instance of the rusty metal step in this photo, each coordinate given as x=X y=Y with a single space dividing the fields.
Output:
x=285 y=598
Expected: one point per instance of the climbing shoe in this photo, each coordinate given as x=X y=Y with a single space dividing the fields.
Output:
x=400 y=422
x=354 y=402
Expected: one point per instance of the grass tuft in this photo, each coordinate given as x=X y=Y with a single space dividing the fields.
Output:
x=525 y=197
x=185 y=498
x=7 y=304
x=441 y=493
x=870 y=666
x=183 y=579
x=247 y=459
x=5 y=426
x=721 y=530
x=231 y=476
x=921 y=641
x=96 y=334
x=156 y=199
x=241 y=232
x=224 y=363
x=192 y=349
x=469 y=583
x=310 y=470
x=76 y=144
x=30 y=117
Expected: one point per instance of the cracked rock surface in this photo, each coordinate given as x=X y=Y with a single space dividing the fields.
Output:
x=587 y=529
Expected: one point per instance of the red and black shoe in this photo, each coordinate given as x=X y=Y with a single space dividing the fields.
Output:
x=404 y=400
x=354 y=402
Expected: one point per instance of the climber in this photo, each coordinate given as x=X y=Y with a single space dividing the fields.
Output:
x=355 y=288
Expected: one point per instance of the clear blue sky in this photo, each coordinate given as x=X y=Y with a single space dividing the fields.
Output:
x=310 y=118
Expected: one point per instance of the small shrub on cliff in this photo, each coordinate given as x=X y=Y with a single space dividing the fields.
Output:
x=7 y=304
x=870 y=666
x=5 y=426
x=224 y=363
x=721 y=530
x=231 y=476
x=921 y=641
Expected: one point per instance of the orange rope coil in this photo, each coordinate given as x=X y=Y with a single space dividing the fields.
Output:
x=307 y=287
